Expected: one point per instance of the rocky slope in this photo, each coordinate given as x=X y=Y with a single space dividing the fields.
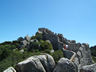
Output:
x=83 y=54
x=45 y=63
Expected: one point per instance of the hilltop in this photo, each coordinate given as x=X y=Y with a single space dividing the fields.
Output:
x=44 y=52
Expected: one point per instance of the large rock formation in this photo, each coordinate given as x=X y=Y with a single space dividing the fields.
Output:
x=27 y=38
x=83 y=56
x=64 y=65
x=73 y=46
x=41 y=63
x=57 y=40
x=45 y=63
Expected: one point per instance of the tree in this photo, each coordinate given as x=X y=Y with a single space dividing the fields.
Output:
x=4 y=52
x=20 y=39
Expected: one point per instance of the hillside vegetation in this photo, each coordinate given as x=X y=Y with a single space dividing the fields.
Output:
x=93 y=53
x=11 y=52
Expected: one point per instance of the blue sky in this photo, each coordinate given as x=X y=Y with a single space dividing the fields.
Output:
x=75 y=19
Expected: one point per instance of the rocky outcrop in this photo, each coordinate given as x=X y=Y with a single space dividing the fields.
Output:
x=73 y=46
x=45 y=63
x=41 y=63
x=57 y=40
x=24 y=41
x=64 y=65
x=27 y=38
x=83 y=56
x=10 y=69
x=88 y=68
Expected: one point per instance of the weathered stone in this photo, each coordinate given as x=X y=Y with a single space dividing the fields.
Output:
x=84 y=56
x=34 y=40
x=73 y=41
x=62 y=39
x=67 y=54
x=73 y=47
x=22 y=51
x=41 y=63
x=27 y=38
x=47 y=61
x=24 y=42
x=87 y=59
x=56 y=40
x=10 y=69
x=76 y=61
x=52 y=51
x=88 y=68
x=81 y=48
x=79 y=54
x=30 y=65
x=64 y=65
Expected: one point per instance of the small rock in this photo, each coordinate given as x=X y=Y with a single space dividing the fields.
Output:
x=52 y=51
x=24 y=42
x=22 y=51
x=79 y=53
x=27 y=38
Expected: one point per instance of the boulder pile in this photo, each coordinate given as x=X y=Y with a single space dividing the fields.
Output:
x=40 y=63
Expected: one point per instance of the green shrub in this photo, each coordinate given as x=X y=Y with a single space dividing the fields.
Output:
x=93 y=50
x=16 y=43
x=94 y=58
x=20 y=39
x=14 y=58
x=4 y=51
x=45 y=45
x=34 y=46
x=11 y=55
x=40 y=46
x=57 y=55
x=33 y=37
x=6 y=43
x=38 y=36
